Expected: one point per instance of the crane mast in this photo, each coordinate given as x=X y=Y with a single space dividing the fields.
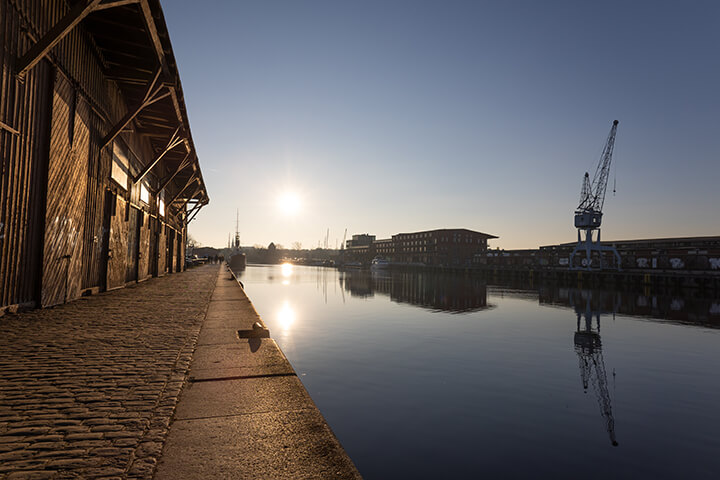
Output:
x=588 y=214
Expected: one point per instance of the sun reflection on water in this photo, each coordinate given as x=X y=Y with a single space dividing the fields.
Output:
x=286 y=316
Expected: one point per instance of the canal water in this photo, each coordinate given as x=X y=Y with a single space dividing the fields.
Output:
x=444 y=376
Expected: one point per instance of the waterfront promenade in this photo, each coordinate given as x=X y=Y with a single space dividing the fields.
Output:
x=90 y=389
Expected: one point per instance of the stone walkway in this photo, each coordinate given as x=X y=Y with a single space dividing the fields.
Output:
x=88 y=389
x=244 y=413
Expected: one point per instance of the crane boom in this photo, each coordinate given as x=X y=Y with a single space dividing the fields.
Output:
x=592 y=197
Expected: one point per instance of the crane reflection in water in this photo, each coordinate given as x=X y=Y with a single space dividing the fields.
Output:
x=588 y=347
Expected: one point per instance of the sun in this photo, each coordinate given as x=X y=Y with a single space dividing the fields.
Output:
x=288 y=203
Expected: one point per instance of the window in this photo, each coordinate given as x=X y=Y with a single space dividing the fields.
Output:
x=119 y=171
x=161 y=203
x=144 y=194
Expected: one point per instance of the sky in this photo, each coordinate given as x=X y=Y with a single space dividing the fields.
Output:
x=396 y=116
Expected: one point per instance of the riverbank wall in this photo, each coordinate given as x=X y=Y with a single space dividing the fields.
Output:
x=244 y=412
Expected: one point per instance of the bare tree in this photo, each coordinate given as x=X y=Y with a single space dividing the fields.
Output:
x=297 y=245
x=191 y=243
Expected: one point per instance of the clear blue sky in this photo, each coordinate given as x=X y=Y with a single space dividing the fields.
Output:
x=396 y=116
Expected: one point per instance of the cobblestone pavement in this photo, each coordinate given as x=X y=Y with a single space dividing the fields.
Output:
x=87 y=389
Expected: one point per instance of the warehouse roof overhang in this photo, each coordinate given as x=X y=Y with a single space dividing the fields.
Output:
x=133 y=46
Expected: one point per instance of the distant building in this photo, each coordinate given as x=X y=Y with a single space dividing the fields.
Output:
x=385 y=248
x=360 y=240
x=442 y=247
x=445 y=247
x=684 y=253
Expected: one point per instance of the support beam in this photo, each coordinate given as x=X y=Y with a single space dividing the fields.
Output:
x=54 y=35
x=189 y=182
x=152 y=94
x=5 y=126
x=183 y=165
x=176 y=139
x=105 y=4
x=196 y=212
x=152 y=30
x=178 y=111
x=190 y=197
x=194 y=207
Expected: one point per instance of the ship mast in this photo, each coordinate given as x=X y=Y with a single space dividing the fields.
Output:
x=236 y=244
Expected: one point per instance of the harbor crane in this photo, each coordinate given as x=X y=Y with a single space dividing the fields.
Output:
x=588 y=214
x=588 y=347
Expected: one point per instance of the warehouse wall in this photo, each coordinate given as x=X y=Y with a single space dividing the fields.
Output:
x=66 y=228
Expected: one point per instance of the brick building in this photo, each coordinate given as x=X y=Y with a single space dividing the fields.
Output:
x=443 y=247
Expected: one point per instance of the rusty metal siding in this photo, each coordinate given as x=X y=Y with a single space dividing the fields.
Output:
x=63 y=224
x=162 y=249
x=170 y=252
x=66 y=191
x=131 y=252
x=143 y=246
x=25 y=108
x=152 y=246
x=180 y=266
x=75 y=54
x=116 y=246
x=94 y=229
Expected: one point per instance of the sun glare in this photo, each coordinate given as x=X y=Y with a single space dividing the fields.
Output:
x=286 y=316
x=288 y=203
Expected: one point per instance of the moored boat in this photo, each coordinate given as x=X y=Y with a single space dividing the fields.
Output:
x=379 y=263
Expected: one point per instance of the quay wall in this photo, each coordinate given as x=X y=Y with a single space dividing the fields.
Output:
x=244 y=413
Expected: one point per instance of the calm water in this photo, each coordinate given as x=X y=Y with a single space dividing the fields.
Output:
x=428 y=376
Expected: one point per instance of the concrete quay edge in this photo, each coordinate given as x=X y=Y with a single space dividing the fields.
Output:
x=244 y=412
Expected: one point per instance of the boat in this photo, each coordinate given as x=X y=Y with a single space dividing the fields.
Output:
x=237 y=259
x=353 y=265
x=379 y=263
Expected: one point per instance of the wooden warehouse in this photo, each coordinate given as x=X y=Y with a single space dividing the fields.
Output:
x=99 y=172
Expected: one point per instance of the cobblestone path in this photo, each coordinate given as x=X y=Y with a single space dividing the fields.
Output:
x=87 y=389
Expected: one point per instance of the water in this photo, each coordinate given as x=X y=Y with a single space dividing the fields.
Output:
x=440 y=376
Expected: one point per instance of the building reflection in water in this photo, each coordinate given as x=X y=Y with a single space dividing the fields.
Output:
x=588 y=347
x=688 y=308
x=449 y=293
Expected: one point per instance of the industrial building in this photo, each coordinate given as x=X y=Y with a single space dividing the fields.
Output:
x=99 y=172
x=443 y=247
x=689 y=254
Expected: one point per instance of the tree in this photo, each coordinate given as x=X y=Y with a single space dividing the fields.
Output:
x=297 y=245
x=191 y=243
